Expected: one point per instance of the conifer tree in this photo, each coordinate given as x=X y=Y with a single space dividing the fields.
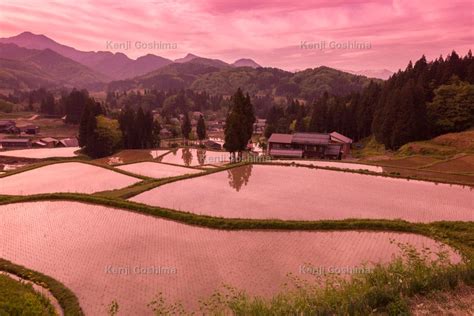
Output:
x=186 y=127
x=201 y=128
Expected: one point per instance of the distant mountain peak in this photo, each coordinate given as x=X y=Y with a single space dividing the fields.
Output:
x=186 y=58
x=245 y=62
x=114 y=65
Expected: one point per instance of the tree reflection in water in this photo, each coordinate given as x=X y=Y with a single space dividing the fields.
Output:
x=201 y=156
x=187 y=156
x=239 y=176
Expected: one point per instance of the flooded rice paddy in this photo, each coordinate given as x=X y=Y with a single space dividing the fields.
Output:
x=157 y=170
x=64 y=177
x=300 y=193
x=196 y=157
x=42 y=153
x=104 y=254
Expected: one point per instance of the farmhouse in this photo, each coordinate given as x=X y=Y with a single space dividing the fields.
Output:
x=7 y=126
x=29 y=129
x=7 y=143
x=49 y=142
x=305 y=145
x=259 y=126
x=68 y=142
x=344 y=140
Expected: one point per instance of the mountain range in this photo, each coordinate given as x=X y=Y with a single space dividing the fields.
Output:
x=29 y=60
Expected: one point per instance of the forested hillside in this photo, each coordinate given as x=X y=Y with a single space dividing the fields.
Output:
x=22 y=68
x=225 y=80
x=423 y=101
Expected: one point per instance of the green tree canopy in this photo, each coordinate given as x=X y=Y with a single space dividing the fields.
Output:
x=452 y=109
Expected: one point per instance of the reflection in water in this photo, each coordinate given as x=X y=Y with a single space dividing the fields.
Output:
x=196 y=157
x=239 y=176
x=201 y=156
x=187 y=156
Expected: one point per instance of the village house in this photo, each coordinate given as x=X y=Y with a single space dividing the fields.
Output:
x=344 y=140
x=259 y=126
x=211 y=144
x=306 y=145
x=9 y=143
x=49 y=142
x=215 y=126
x=68 y=142
x=29 y=129
x=7 y=126
x=165 y=133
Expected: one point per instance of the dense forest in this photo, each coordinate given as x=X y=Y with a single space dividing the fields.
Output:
x=307 y=84
x=424 y=100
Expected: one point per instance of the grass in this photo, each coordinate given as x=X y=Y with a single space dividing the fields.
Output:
x=386 y=290
x=443 y=146
x=370 y=148
x=460 y=164
x=409 y=162
x=66 y=298
x=18 y=298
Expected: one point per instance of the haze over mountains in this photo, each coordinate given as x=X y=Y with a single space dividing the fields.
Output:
x=29 y=60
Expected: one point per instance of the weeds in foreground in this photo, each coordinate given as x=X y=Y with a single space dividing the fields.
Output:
x=387 y=289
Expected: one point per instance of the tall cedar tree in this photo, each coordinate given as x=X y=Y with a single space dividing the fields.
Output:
x=137 y=128
x=239 y=124
x=318 y=122
x=201 y=128
x=86 y=125
x=186 y=127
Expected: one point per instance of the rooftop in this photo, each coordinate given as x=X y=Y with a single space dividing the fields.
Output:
x=14 y=140
x=281 y=138
x=341 y=138
x=311 y=138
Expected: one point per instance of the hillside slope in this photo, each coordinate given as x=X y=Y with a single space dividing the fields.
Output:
x=216 y=77
x=112 y=65
x=23 y=68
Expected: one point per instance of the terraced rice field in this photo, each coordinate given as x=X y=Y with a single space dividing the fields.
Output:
x=300 y=193
x=196 y=157
x=409 y=162
x=64 y=177
x=42 y=153
x=157 y=170
x=464 y=164
x=331 y=164
x=95 y=251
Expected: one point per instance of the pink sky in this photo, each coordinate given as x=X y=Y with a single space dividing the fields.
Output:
x=270 y=32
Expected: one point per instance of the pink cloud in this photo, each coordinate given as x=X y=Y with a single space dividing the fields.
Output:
x=269 y=31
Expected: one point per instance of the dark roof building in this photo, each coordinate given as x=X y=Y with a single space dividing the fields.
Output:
x=303 y=145
x=7 y=126
x=280 y=138
x=345 y=141
x=311 y=138
x=29 y=129
x=15 y=143
x=68 y=142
